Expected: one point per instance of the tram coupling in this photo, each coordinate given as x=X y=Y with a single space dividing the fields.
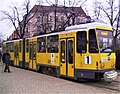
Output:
x=110 y=75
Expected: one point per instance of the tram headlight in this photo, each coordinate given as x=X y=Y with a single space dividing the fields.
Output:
x=102 y=65
x=112 y=65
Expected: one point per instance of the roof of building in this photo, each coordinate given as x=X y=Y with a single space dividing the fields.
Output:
x=77 y=10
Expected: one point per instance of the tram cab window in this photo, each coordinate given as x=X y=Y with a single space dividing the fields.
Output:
x=93 y=47
x=52 y=46
x=42 y=44
x=81 y=42
x=105 y=41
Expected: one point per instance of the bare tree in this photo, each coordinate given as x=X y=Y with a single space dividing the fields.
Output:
x=112 y=12
x=43 y=25
x=2 y=36
x=97 y=10
x=19 y=19
x=54 y=6
x=73 y=11
x=70 y=8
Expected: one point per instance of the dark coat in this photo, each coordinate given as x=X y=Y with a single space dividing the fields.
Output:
x=6 y=58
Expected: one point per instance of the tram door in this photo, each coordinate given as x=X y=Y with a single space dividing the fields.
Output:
x=67 y=57
x=32 y=55
x=16 y=55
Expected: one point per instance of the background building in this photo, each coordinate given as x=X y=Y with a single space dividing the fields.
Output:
x=51 y=19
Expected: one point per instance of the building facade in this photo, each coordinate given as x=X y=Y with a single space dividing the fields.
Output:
x=52 y=19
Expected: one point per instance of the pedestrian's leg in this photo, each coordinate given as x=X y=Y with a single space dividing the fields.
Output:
x=5 y=68
x=8 y=69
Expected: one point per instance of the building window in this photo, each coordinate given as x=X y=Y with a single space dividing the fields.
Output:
x=57 y=19
x=38 y=28
x=62 y=19
x=77 y=20
x=50 y=18
x=38 y=19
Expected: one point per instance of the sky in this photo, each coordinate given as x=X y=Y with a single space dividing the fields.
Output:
x=6 y=27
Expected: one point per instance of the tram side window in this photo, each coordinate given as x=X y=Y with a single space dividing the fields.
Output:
x=3 y=48
x=42 y=44
x=20 y=47
x=81 y=42
x=31 y=52
x=70 y=51
x=8 y=46
x=93 y=47
x=11 y=47
x=62 y=51
x=27 y=45
x=52 y=44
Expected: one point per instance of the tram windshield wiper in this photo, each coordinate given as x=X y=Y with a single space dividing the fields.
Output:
x=109 y=53
x=107 y=49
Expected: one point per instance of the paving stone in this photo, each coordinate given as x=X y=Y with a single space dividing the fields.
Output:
x=21 y=81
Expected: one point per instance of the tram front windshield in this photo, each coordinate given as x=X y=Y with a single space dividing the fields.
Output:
x=105 y=40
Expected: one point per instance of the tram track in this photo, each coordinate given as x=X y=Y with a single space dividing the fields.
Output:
x=115 y=85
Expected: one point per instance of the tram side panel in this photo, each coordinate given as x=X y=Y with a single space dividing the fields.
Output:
x=87 y=57
x=12 y=53
x=30 y=53
x=47 y=54
x=90 y=63
x=10 y=47
x=16 y=63
x=21 y=53
x=67 y=54
x=26 y=53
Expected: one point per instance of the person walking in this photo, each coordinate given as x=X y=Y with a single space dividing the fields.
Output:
x=6 y=60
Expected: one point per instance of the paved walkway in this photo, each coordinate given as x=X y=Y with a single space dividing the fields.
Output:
x=21 y=81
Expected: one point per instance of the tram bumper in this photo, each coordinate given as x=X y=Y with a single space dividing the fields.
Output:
x=110 y=75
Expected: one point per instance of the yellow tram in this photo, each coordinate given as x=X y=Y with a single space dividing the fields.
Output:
x=81 y=51
x=9 y=45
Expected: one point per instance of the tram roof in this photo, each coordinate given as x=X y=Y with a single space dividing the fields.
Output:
x=75 y=28
x=49 y=34
x=89 y=26
x=81 y=27
x=9 y=41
